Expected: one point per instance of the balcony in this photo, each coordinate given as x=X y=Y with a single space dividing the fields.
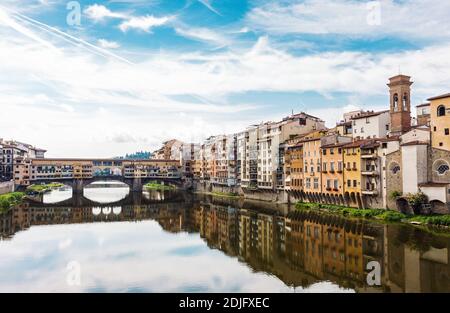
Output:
x=369 y=156
x=370 y=192
x=369 y=172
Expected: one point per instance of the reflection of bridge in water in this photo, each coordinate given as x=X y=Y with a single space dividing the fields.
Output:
x=132 y=198
x=300 y=248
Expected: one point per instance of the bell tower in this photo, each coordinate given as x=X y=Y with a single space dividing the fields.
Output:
x=400 y=104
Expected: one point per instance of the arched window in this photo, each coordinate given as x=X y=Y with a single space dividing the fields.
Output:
x=405 y=101
x=395 y=102
x=442 y=169
x=395 y=168
x=441 y=110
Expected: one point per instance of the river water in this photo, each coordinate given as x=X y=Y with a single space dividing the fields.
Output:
x=110 y=240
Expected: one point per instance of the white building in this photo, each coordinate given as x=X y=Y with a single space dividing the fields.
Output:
x=367 y=125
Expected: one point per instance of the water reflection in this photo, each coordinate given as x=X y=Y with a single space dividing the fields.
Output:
x=185 y=243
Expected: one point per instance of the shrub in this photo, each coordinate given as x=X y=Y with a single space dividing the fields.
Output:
x=395 y=194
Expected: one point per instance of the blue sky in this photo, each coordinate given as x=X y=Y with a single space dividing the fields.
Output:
x=134 y=73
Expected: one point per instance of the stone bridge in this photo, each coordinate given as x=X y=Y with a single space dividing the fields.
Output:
x=133 y=198
x=78 y=173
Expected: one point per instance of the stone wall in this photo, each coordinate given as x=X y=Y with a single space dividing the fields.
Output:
x=394 y=182
x=6 y=187
x=438 y=156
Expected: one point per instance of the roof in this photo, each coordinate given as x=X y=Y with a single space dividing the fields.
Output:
x=447 y=95
x=335 y=145
x=343 y=123
x=387 y=139
x=431 y=184
x=423 y=105
x=415 y=143
x=358 y=143
x=103 y=160
x=368 y=114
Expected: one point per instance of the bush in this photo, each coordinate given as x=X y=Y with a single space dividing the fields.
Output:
x=9 y=199
x=416 y=200
x=395 y=194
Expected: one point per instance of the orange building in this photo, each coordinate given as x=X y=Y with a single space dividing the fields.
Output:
x=332 y=170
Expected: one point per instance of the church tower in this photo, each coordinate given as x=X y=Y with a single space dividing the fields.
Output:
x=400 y=99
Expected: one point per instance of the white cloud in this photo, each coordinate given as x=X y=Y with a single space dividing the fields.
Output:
x=98 y=12
x=203 y=34
x=207 y=4
x=106 y=44
x=144 y=23
x=82 y=101
x=423 y=19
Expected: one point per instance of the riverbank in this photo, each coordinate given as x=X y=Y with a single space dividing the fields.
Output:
x=159 y=187
x=9 y=200
x=220 y=194
x=43 y=188
x=441 y=221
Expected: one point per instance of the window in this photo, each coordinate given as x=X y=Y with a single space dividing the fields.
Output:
x=444 y=168
x=405 y=101
x=387 y=126
x=367 y=120
x=395 y=168
x=316 y=183
x=434 y=128
x=395 y=101
x=441 y=110
x=354 y=183
x=446 y=131
x=336 y=184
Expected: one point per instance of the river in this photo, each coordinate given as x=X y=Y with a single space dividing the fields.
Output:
x=110 y=240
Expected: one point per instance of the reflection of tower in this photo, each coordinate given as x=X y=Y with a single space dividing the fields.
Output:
x=400 y=104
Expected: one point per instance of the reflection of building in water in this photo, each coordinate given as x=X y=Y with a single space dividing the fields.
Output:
x=329 y=247
x=228 y=227
x=300 y=249
x=417 y=262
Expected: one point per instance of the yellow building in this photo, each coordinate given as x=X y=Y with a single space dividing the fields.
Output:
x=440 y=122
x=333 y=170
x=311 y=166
x=294 y=167
x=352 y=173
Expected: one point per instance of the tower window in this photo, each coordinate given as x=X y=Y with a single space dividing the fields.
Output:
x=396 y=102
x=441 y=110
x=405 y=101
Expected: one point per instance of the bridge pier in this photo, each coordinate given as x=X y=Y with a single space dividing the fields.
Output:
x=137 y=185
x=77 y=187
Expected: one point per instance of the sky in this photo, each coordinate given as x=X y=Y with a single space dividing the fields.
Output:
x=105 y=78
